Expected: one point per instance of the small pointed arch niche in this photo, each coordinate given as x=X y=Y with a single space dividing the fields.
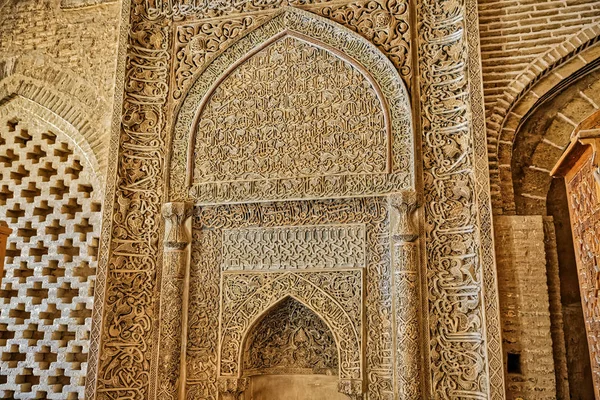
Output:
x=298 y=108
x=290 y=352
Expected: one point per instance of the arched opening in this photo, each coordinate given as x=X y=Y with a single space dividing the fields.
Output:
x=290 y=353
x=543 y=317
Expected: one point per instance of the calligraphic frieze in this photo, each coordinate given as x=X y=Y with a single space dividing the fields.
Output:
x=300 y=247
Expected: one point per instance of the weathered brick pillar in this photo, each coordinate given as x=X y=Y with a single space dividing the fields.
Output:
x=173 y=300
x=525 y=307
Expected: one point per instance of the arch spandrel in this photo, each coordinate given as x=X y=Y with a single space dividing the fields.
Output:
x=270 y=344
x=384 y=129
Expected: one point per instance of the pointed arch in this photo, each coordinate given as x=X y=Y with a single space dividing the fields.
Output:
x=282 y=302
x=57 y=94
x=343 y=318
x=345 y=46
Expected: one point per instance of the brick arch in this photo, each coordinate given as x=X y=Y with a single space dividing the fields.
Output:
x=62 y=93
x=541 y=137
x=50 y=196
x=542 y=75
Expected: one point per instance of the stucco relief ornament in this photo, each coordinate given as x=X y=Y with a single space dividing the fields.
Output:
x=353 y=388
x=175 y=215
x=232 y=388
x=405 y=203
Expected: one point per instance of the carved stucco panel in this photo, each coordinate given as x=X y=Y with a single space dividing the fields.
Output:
x=211 y=222
x=278 y=115
x=298 y=247
x=584 y=207
x=290 y=339
x=383 y=79
x=464 y=353
x=335 y=296
x=133 y=225
x=125 y=319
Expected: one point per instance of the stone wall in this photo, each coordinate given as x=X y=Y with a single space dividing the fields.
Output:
x=57 y=73
x=524 y=307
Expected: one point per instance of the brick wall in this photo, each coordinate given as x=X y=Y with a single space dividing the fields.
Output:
x=524 y=307
x=83 y=41
x=50 y=190
x=515 y=32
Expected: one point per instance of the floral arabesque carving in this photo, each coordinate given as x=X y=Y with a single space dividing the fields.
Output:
x=125 y=319
x=298 y=247
x=290 y=339
x=406 y=286
x=174 y=291
x=336 y=296
x=585 y=213
x=464 y=352
x=135 y=196
x=382 y=22
x=368 y=60
x=278 y=116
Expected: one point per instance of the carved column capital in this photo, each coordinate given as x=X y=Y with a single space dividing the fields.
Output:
x=352 y=388
x=176 y=215
x=231 y=388
x=403 y=207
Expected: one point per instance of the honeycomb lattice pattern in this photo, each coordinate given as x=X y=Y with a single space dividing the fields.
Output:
x=47 y=198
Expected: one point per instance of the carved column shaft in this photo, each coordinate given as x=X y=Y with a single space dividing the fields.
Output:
x=173 y=301
x=405 y=275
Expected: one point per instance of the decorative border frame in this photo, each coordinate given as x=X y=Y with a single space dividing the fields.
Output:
x=448 y=59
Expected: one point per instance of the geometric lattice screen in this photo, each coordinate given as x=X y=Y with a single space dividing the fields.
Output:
x=47 y=197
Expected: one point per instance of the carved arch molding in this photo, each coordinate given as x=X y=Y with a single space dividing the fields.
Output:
x=284 y=164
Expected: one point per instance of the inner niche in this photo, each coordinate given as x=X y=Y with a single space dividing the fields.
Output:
x=291 y=354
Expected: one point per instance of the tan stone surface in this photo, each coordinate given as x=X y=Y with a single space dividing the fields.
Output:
x=62 y=56
x=524 y=306
x=50 y=197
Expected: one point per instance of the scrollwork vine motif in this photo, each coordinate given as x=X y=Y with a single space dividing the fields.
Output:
x=383 y=22
x=206 y=268
x=457 y=347
x=129 y=324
